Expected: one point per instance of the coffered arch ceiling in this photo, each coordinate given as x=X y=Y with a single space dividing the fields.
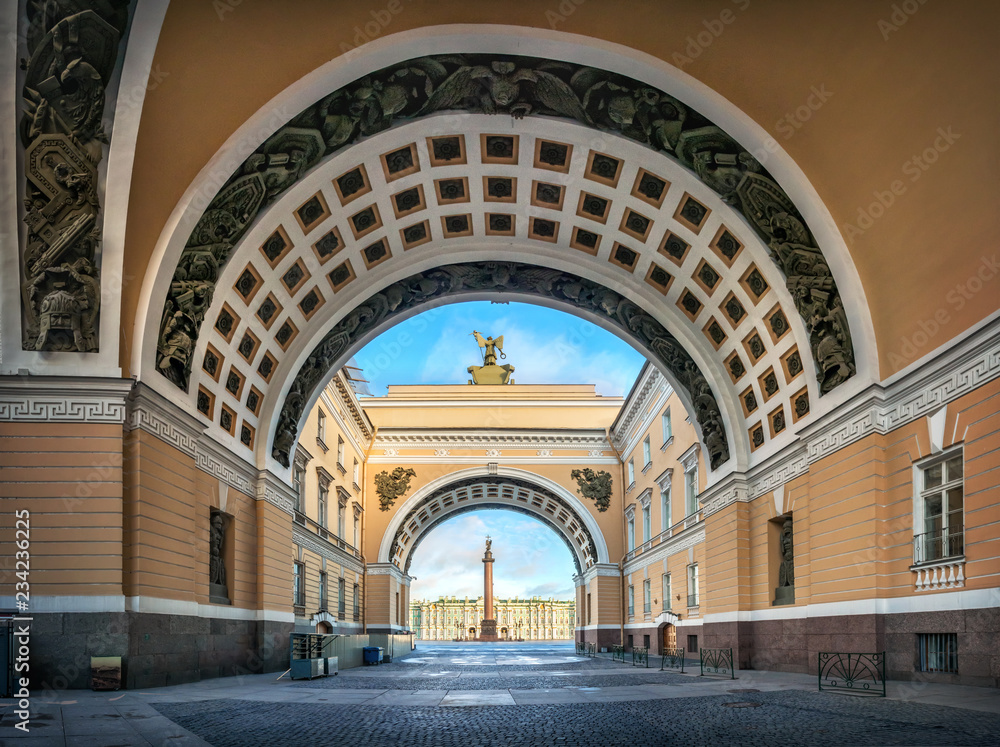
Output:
x=606 y=178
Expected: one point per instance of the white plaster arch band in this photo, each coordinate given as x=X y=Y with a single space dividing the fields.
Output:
x=495 y=39
x=427 y=492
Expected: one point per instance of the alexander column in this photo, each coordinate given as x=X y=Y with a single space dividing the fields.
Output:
x=488 y=629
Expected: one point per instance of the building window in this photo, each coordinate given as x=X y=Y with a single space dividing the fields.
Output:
x=299 y=586
x=299 y=484
x=666 y=591
x=647 y=599
x=665 y=518
x=647 y=530
x=645 y=642
x=692 y=644
x=341 y=600
x=321 y=427
x=668 y=429
x=940 y=511
x=938 y=652
x=356 y=474
x=631 y=533
x=322 y=590
x=628 y=642
x=323 y=503
x=691 y=489
x=693 y=585
x=631 y=472
x=341 y=507
x=647 y=456
x=357 y=530
x=631 y=601
x=340 y=454
x=357 y=602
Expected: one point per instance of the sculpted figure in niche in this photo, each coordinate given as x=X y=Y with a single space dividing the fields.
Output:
x=786 y=571
x=217 y=567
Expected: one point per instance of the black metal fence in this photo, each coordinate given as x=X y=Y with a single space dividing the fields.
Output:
x=586 y=649
x=937 y=545
x=618 y=653
x=860 y=674
x=640 y=656
x=717 y=661
x=672 y=658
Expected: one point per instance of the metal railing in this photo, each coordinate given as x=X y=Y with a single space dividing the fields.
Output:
x=640 y=656
x=618 y=653
x=938 y=545
x=631 y=610
x=686 y=523
x=861 y=674
x=647 y=608
x=586 y=649
x=717 y=661
x=692 y=600
x=581 y=648
x=672 y=658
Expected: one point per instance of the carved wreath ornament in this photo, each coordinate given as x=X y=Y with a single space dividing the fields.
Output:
x=391 y=486
x=594 y=485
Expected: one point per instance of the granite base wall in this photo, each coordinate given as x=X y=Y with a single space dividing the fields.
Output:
x=603 y=637
x=793 y=645
x=156 y=650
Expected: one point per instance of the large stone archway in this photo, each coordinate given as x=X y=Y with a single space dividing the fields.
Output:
x=482 y=488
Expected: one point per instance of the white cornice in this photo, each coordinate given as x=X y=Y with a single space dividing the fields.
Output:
x=605 y=570
x=689 y=459
x=63 y=399
x=532 y=459
x=664 y=478
x=476 y=439
x=385 y=569
x=678 y=543
x=645 y=497
x=650 y=388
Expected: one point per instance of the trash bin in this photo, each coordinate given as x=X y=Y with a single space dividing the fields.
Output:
x=372 y=654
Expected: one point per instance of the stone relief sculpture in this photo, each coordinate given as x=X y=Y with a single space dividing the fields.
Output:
x=72 y=52
x=504 y=277
x=218 y=589
x=517 y=86
x=391 y=486
x=785 y=592
x=595 y=485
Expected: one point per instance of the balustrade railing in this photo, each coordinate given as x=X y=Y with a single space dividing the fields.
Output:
x=860 y=674
x=618 y=653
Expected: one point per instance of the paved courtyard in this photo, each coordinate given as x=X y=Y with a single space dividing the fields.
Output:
x=511 y=694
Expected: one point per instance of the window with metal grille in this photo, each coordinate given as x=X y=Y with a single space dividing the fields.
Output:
x=938 y=652
x=940 y=527
x=693 y=585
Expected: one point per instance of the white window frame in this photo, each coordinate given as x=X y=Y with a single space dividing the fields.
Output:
x=323 y=504
x=920 y=496
x=667 y=428
x=631 y=532
x=631 y=473
x=689 y=460
x=647 y=524
x=666 y=591
x=647 y=453
x=692 y=577
x=647 y=596
x=321 y=426
x=631 y=600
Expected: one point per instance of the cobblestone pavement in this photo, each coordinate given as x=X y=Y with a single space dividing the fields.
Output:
x=784 y=718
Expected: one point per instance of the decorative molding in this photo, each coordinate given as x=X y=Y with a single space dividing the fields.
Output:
x=689 y=459
x=218 y=460
x=390 y=452
x=351 y=402
x=943 y=574
x=63 y=399
x=594 y=453
x=544 y=452
x=665 y=479
x=273 y=489
x=601 y=570
x=442 y=452
x=306 y=539
x=150 y=411
x=493 y=453
x=778 y=470
x=650 y=388
x=384 y=569
x=729 y=490
x=645 y=498
x=474 y=440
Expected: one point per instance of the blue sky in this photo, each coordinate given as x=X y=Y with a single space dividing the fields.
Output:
x=546 y=347
x=530 y=558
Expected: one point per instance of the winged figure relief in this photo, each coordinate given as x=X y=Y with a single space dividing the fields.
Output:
x=504 y=87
